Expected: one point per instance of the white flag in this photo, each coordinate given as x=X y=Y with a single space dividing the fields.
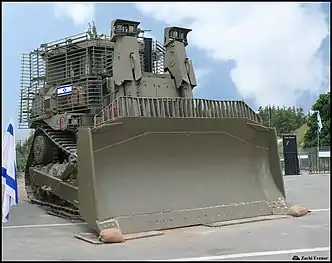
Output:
x=319 y=120
x=9 y=176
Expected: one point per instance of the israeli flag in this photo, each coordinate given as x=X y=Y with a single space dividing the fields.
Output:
x=65 y=90
x=9 y=176
x=319 y=120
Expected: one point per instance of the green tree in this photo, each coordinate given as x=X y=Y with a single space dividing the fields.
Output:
x=22 y=153
x=323 y=105
x=285 y=119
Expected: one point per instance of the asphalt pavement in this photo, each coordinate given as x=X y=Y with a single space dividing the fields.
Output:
x=31 y=234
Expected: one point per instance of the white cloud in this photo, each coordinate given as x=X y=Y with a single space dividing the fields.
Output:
x=79 y=13
x=200 y=73
x=274 y=44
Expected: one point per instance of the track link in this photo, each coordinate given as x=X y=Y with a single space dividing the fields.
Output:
x=57 y=210
x=65 y=141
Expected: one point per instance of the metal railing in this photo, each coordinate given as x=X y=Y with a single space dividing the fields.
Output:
x=174 y=108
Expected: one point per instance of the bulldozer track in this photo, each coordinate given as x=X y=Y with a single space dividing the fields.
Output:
x=62 y=139
x=60 y=211
x=65 y=141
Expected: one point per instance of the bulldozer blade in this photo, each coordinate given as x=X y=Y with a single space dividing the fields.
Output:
x=144 y=174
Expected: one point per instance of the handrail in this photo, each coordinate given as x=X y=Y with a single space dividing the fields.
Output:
x=174 y=108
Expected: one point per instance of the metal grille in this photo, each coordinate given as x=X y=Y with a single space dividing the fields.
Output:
x=142 y=59
x=78 y=57
x=86 y=94
x=174 y=108
x=79 y=61
x=158 y=58
x=32 y=84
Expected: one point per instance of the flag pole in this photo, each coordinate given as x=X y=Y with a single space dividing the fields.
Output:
x=319 y=127
x=318 y=169
x=318 y=133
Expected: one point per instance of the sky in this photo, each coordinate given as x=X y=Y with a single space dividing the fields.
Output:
x=264 y=53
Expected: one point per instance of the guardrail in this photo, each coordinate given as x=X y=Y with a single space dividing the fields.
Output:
x=174 y=108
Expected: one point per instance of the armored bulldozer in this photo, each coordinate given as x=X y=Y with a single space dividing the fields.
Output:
x=120 y=141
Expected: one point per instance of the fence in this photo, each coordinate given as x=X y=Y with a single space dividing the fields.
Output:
x=312 y=162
